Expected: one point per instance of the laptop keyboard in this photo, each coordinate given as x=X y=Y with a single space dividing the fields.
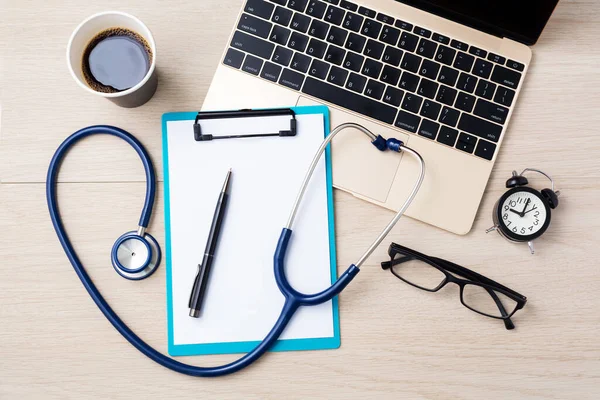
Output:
x=384 y=68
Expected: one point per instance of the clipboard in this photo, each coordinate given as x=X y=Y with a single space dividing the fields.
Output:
x=242 y=300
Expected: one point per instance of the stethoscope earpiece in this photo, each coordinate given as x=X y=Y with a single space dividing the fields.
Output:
x=135 y=256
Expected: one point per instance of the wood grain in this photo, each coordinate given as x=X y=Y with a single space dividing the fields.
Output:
x=397 y=342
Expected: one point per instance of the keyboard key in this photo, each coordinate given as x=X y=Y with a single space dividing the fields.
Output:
x=403 y=25
x=252 y=44
x=482 y=68
x=446 y=95
x=337 y=75
x=412 y=103
x=496 y=58
x=334 y=2
x=480 y=127
x=347 y=99
x=282 y=56
x=282 y=16
x=440 y=38
x=280 y=2
x=254 y=25
x=386 y=19
x=431 y=109
x=252 y=65
x=348 y=6
x=447 y=136
x=279 y=35
x=393 y=96
x=465 y=144
x=427 y=88
x=506 y=77
x=445 y=55
x=466 y=82
x=319 y=69
x=367 y=12
x=334 y=15
x=408 y=41
x=259 y=8
x=337 y=36
x=300 y=62
x=356 y=82
x=355 y=42
x=515 y=65
x=422 y=32
x=373 y=49
x=464 y=62
x=372 y=68
x=392 y=55
x=300 y=22
x=389 y=35
x=429 y=129
x=335 y=55
x=476 y=51
x=390 y=75
x=485 y=150
x=409 y=82
x=371 y=28
x=374 y=89
x=429 y=69
x=316 y=9
x=426 y=48
x=297 y=42
x=448 y=76
x=410 y=62
x=353 y=22
x=465 y=102
x=485 y=89
x=318 y=29
x=233 y=58
x=270 y=71
x=353 y=61
x=449 y=116
x=504 y=96
x=459 y=45
x=491 y=111
x=407 y=121
x=291 y=79
x=298 y=5
x=316 y=48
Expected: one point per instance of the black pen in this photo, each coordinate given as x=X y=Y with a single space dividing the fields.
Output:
x=199 y=288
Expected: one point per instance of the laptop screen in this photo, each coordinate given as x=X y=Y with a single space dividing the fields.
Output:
x=515 y=19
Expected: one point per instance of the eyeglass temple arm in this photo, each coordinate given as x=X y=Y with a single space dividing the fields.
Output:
x=480 y=278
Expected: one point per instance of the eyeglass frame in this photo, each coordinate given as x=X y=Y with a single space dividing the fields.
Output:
x=449 y=268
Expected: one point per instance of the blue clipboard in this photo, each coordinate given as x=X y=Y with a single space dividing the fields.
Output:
x=242 y=347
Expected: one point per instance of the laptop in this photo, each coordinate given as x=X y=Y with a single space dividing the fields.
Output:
x=443 y=76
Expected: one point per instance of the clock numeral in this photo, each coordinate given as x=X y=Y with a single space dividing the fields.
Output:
x=508 y=223
x=506 y=208
x=537 y=221
x=537 y=214
x=505 y=216
x=513 y=203
x=522 y=231
x=514 y=229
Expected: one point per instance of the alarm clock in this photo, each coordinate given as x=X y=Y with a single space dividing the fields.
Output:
x=523 y=214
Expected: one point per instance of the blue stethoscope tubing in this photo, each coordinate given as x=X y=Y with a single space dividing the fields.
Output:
x=293 y=298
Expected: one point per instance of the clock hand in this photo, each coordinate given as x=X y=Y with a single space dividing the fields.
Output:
x=534 y=208
x=522 y=213
x=515 y=211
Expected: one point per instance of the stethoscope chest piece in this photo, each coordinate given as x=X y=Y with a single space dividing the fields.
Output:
x=135 y=256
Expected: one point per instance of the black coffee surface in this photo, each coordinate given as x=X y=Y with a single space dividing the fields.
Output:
x=116 y=59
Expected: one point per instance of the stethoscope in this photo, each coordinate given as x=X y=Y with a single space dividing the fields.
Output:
x=136 y=254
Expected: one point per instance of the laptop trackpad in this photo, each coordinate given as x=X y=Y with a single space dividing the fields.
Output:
x=357 y=166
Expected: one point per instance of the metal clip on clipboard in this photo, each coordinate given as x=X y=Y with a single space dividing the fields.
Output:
x=200 y=136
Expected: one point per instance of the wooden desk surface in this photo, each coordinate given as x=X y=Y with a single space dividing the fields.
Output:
x=397 y=342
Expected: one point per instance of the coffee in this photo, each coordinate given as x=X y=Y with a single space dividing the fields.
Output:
x=115 y=60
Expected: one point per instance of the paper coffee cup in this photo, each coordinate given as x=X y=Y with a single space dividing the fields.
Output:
x=90 y=28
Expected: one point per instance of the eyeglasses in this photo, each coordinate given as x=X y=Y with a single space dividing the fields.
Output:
x=477 y=293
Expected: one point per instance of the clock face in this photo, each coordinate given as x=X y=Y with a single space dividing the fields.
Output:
x=523 y=214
